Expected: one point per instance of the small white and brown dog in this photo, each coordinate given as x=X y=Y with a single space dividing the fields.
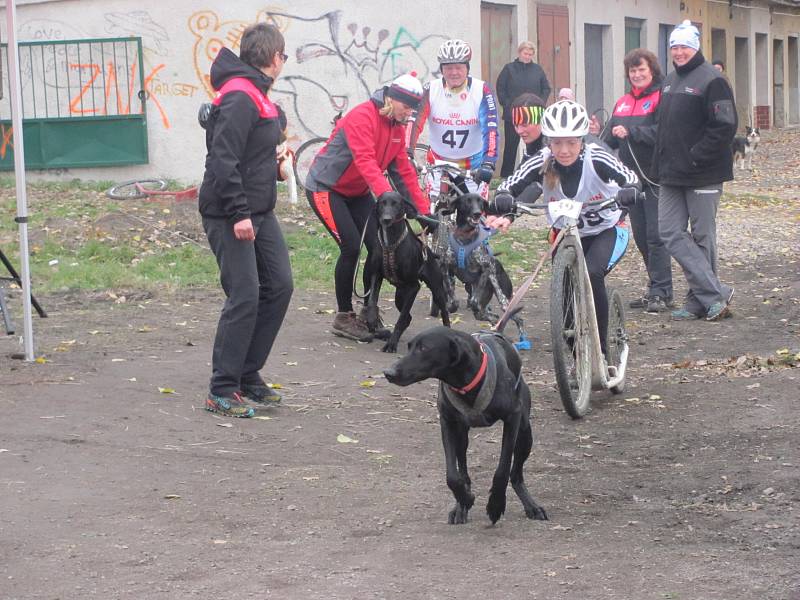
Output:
x=744 y=147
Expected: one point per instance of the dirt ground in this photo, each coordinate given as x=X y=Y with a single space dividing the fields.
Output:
x=115 y=483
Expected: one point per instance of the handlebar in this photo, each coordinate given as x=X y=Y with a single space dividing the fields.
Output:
x=526 y=203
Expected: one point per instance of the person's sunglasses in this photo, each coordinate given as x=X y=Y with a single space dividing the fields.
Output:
x=284 y=57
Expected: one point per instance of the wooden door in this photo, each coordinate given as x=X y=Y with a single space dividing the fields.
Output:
x=497 y=49
x=552 y=26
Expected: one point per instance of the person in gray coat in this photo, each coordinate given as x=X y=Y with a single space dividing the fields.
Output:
x=518 y=77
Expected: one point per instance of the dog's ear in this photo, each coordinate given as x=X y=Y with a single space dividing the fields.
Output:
x=456 y=350
x=748 y=130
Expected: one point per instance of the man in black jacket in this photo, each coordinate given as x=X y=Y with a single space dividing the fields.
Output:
x=518 y=77
x=236 y=201
x=696 y=125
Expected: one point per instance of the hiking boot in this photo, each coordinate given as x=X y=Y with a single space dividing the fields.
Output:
x=639 y=302
x=230 y=406
x=260 y=393
x=348 y=325
x=380 y=332
x=655 y=304
x=684 y=315
x=717 y=311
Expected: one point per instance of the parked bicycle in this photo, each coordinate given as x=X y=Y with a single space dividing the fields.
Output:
x=305 y=153
x=137 y=189
x=579 y=363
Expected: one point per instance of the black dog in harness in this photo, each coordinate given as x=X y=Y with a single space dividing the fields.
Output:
x=403 y=261
x=481 y=383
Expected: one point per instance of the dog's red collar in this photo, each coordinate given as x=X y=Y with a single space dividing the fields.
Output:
x=478 y=376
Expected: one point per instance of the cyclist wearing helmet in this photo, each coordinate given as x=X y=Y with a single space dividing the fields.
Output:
x=348 y=173
x=570 y=168
x=462 y=116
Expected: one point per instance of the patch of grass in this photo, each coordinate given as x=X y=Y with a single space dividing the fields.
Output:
x=313 y=257
x=100 y=264
x=105 y=245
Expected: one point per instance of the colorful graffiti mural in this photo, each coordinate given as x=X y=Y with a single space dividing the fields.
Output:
x=336 y=64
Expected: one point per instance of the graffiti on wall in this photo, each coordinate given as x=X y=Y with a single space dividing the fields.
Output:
x=333 y=64
x=155 y=41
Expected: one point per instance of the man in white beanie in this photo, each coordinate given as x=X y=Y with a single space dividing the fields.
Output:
x=696 y=125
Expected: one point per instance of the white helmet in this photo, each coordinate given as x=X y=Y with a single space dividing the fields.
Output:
x=454 y=52
x=565 y=118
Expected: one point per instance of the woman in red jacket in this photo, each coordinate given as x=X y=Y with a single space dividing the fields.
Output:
x=632 y=130
x=348 y=174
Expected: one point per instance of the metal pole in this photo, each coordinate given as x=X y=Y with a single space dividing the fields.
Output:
x=19 y=172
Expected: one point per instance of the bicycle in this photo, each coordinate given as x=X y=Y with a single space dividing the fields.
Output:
x=466 y=264
x=577 y=358
x=305 y=154
x=137 y=189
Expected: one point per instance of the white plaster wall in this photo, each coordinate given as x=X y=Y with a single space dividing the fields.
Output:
x=339 y=52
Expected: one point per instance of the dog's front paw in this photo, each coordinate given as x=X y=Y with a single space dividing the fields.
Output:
x=382 y=333
x=459 y=515
x=536 y=512
x=390 y=347
x=496 y=505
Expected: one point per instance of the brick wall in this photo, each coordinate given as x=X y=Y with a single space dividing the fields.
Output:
x=761 y=116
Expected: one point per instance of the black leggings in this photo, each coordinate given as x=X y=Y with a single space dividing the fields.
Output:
x=345 y=218
x=598 y=250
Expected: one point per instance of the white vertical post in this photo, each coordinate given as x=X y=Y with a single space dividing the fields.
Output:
x=19 y=172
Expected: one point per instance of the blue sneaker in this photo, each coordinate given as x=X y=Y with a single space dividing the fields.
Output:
x=230 y=406
x=717 y=311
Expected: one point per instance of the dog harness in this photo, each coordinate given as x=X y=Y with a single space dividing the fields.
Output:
x=486 y=378
x=389 y=256
x=463 y=251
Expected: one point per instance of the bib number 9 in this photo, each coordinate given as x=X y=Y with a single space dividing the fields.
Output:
x=449 y=137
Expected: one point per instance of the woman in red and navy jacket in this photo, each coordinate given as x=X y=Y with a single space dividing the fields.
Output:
x=632 y=130
x=348 y=174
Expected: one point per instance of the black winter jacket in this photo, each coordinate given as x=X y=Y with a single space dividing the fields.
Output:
x=241 y=166
x=636 y=112
x=696 y=125
x=518 y=78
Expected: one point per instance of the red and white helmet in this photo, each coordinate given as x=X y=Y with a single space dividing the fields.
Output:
x=565 y=118
x=454 y=52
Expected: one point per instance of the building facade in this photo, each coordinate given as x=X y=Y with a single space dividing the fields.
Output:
x=100 y=109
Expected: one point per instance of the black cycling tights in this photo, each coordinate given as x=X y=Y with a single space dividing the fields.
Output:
x=344 y=218
x=598 y=250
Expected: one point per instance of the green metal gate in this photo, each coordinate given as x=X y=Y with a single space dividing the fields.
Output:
x=83 y=104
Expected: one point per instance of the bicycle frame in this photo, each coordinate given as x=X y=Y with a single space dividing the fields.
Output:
x=603 y=376
x=187 y=194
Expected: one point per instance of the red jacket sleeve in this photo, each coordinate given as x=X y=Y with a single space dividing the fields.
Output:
x=360 y=131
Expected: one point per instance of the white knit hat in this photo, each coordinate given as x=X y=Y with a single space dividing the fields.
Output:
x=685 y=34
x=407 y=89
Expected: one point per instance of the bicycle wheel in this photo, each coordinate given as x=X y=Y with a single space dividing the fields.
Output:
x=129 y=190
x=568 y=330
x=303 y=158
x=617 y=338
